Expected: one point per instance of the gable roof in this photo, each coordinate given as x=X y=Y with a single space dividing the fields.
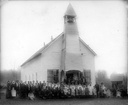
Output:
x=40 y=51
x=87 y=46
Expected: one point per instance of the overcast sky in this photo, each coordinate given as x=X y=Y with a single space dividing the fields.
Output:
x=26 y=25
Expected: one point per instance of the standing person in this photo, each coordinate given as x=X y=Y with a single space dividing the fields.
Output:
x=31 y=91
x=25 y=89
x=94 y=91
x=83 y=91
x=69 y=91
x=97 y=89
x=108 y=93
x=42 y=93
x=86 y=91
x=76 y=90
x=80 y=90
x=17 y=88
x=36 y=90
x=29 y=87
x=102 y=90
x=90 y=90
x=44 y=83
x=21 y=89
x=8 y=90
x=72 y=90
x=40 y=85
x=13 y=89
x=65 y=91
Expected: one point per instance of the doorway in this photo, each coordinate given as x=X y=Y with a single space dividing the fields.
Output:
x=73 y=77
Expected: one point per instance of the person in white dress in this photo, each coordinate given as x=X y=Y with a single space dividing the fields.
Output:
x=108 y=93
x=90 y=89
x=118 y=93
x=103 y=90
x=94 y=91
x=13 y=92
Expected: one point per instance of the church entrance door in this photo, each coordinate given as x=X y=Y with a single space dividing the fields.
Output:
x=73 y=77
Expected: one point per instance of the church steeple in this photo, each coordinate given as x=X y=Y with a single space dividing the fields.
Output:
x=70 y=11
x=70 y=21
x=70 y=15
x=71 y=54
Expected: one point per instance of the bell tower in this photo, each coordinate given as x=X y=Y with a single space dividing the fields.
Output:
x=70 y=15
x=70 y=21
x=71 y=49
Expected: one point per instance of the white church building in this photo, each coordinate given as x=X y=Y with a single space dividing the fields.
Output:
x=65 y=58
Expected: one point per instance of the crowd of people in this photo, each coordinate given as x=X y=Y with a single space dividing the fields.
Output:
x=33 y=90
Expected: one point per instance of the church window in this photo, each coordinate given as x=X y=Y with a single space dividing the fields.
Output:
x=53 y=75
x=87 y=76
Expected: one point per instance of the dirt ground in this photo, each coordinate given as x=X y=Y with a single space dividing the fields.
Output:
x=91 y=101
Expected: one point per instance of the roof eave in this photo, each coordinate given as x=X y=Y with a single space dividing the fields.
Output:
x=40 y=50
x=88 y=47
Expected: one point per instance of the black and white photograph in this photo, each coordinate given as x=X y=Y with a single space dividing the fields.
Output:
x=64 y=52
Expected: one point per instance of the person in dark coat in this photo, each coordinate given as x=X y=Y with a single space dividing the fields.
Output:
x=36 y=90
x=8 y=90
x=17 y=88
x=97 y=89
x=40 y=85
x=25 y=90
x=29 y=87
x=86 y=91
x=21 y=89
x=31 y=91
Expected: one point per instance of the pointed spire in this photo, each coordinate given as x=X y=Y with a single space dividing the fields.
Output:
x=70 y=11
